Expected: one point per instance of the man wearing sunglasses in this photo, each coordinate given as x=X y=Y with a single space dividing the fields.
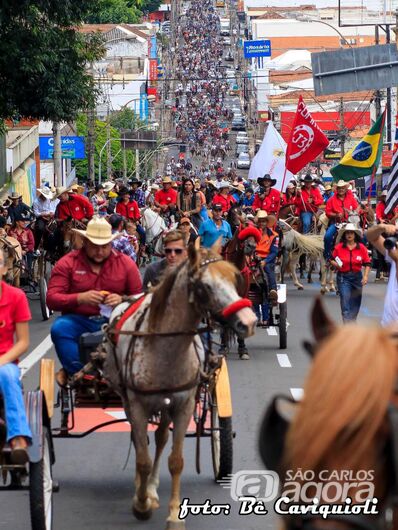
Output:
x=175 y=251
x=214 y=228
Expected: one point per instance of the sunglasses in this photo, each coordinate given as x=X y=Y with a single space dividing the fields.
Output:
x=177 y=251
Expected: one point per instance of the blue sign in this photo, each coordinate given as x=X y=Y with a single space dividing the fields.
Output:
x=71 y=146
x=153 y=47
x=257 y=48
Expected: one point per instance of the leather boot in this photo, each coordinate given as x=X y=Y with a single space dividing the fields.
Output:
x=19 y=451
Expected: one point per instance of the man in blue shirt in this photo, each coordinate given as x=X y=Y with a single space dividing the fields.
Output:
x=214 y=228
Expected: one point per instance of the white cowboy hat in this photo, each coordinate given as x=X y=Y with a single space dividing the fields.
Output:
x=155 y=186
x=46 y=192
x=384 y=193
x=60 y=190
x=99 y=231
x=15 y=195
x=342 y=184
x=348 y=227
x=223 y=184
x=108 y=186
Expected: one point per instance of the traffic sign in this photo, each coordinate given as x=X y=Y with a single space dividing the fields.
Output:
x=257 y=48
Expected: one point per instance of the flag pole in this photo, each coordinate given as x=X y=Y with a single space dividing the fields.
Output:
x=375 y=167
x=283 y=180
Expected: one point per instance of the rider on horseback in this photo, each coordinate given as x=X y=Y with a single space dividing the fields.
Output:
x=267 y=198
x=72 y=206
x=44 y=207
x=308 y=200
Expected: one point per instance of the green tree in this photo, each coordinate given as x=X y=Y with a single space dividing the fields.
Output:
x=126 y=119
x=115 y=12
x=43 y=59
x=146 y=5
x=100 y=141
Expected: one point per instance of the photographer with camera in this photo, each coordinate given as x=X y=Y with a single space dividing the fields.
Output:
x=384 y=237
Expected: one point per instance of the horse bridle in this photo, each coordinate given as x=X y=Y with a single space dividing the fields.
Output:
x=273 y=433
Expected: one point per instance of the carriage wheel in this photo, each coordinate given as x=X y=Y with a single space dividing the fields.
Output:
x=283 y=326
x=41 y=488
x=221 y=442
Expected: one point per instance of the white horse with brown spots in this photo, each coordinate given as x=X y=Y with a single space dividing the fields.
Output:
x=155 y=367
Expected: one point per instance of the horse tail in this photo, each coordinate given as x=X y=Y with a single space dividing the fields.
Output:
x=308 y=244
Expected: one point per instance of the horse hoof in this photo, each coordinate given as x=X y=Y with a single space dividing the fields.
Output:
x=145 y=513
x=300 y=288
x=332 y=289
x=173 y=525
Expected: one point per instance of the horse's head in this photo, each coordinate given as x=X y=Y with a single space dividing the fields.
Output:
x=213 y=287
x=348 y=417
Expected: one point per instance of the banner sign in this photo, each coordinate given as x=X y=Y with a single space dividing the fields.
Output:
x=257 y=48
x=153 y=69
x=72 y=147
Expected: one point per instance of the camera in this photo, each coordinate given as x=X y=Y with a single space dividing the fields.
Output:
x=390 y=242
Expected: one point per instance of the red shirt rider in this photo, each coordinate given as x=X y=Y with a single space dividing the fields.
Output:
x=128 y=210
x=166 y=196
x=76 y=206
x=341 y=204
x=380 y=210
x=270 y=203
x=309 y=199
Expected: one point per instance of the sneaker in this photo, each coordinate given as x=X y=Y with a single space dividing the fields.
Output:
x=244 y=356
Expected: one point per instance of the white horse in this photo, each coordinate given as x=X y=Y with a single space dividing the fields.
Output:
x=154 y=226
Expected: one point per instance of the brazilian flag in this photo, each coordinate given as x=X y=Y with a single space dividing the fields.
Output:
x=364 y=157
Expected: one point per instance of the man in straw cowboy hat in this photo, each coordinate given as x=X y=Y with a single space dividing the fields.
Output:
x=44 y=207
x=85 y=284
x=72 y=206
x=338 y=208
x=17 y=206
x=166 y=198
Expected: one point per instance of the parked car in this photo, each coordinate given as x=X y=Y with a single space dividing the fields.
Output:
x=242 y=138
x=229 y=58
x=238 y=124
x=243 y=161
x=227 y=41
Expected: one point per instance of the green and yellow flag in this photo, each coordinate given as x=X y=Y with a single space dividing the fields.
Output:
x=364 y=157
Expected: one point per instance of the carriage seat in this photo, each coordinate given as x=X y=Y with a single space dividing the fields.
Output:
x=88 y=343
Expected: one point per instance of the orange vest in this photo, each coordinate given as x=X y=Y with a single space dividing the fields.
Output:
x=264 y=246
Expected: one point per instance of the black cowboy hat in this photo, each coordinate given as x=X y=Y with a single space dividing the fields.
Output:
x=268 y=177
x=134 y=180
x=123 y=191
x=307 y=178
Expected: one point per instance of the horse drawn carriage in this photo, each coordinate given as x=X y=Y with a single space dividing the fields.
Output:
x=36 y=475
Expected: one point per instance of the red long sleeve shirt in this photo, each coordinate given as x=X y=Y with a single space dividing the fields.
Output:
x=336 y=206
x=25 y=239
x=129 y=210
x=72 y=275
x=271 y=202
x=302 y=200
x=226 y=201
x=77 y=207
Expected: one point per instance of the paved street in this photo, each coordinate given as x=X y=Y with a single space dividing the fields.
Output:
x=95 y=491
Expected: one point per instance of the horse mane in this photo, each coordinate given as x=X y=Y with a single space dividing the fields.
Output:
x=160 y=294
x=346 y=396
x=311 y=245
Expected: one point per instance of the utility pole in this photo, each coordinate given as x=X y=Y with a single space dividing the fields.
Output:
x=91 y=138
x=342 y=128
x=137 y=164
x=109 y=146
x=389 y=107
x=377 y=92
x=57 y=156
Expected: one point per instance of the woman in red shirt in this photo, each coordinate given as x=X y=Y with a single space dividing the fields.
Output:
x=25 y=238
x=126 y=207
x=348 y=258
x=14 y=318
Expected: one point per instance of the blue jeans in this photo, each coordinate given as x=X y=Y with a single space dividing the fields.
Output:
x=11 y=390
x=269 y=269
x=328 y=241
x=65 y=334
x=306 y=221
x=350 y=290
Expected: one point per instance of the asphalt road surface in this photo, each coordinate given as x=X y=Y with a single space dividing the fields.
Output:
x=95 y=490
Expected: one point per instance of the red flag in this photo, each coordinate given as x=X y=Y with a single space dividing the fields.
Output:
x=306 y=140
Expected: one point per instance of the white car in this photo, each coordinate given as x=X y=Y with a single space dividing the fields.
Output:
x=243 y=161
x=242 y=138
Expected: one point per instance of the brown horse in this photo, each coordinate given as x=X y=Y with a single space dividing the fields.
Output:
x=12 y=251
x=346 y=424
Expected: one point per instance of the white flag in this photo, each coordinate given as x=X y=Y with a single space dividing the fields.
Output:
x=271 y=158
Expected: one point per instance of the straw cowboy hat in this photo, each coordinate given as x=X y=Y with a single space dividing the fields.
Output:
x=99 y=231
x=342 y=184
x=327 y=187
x=60 y=190
x=167 y=180
x=239 y=187
x=108 y=186
x=15 y=195
x=348 y=227
x=46 y=192
x=261 y=214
